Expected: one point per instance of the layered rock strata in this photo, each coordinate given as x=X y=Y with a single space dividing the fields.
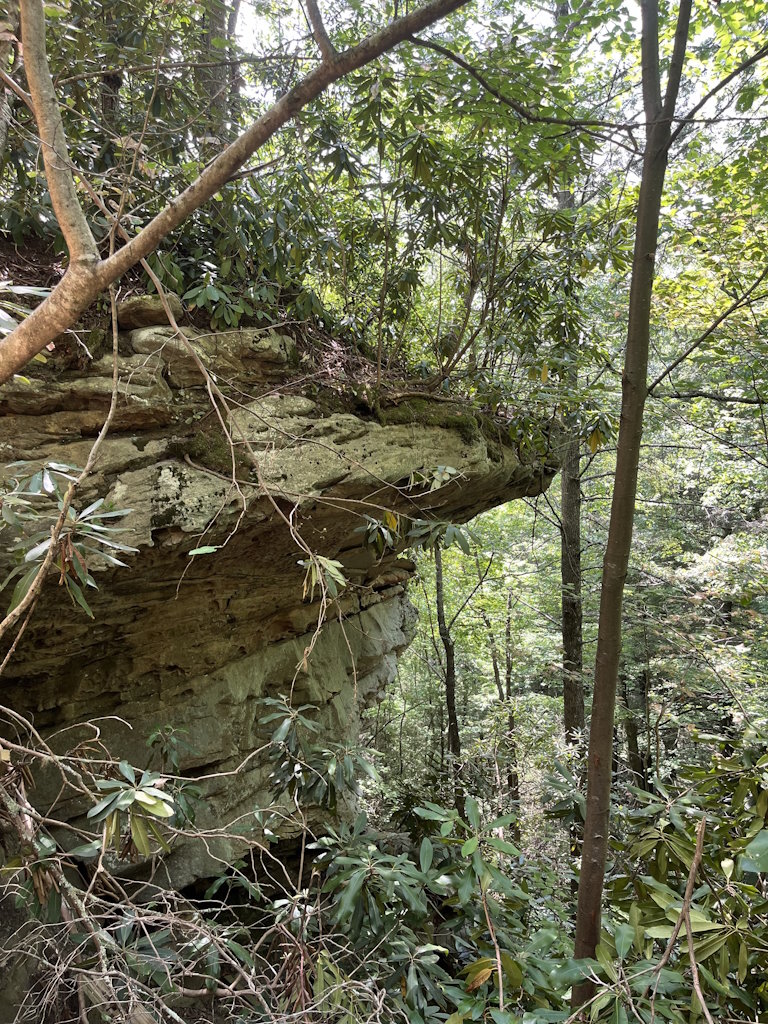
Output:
x=196 y=641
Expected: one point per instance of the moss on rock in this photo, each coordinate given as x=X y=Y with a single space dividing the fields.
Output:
x=431 y=413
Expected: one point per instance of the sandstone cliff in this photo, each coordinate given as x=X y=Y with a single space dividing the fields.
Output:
x=196 y=641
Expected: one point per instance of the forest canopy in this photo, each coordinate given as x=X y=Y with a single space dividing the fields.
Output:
x=553 y=218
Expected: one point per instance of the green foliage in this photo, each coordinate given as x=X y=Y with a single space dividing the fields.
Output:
x=412 y=213
x=30 y=506
x=141 y=801
x=308 y=772
x=12 y=311
x=325 y=573
x=728 y=799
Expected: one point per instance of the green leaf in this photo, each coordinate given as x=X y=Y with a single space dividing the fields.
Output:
x=350 y=894
x=425 y=854
x=470 y=846
x=207 y=549
x=78 y=595
x=472 y=812
x=432 y=813
x=603 y=957
x=87 y=850
x=158 y=836
x=624 y=937
x=512 y=970
x=240 y=952
x=503 y=846
x=139 y=835
x=757 y=852
x=158 y=808
x=21 y=588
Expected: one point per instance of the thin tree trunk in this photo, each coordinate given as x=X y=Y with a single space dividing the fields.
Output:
x=504 y=691
x=513 y=775
x=9 y=26
x=111 y=82
x=571 y=622
x=570 y=534
x=636 y=766
x=214 y=80
x=570 y=574
x=658 y=116
x=454 y=740
x=235 y=79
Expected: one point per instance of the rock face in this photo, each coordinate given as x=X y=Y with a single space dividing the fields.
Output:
x=147 y=310
x=196 y=641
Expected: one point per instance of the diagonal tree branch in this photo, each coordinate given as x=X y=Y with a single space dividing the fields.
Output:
x=86 y=279
x=327 y=49
x=15 y=88
x=687 y=119
x=736 y=304
x=519 y=108
x=676 y=62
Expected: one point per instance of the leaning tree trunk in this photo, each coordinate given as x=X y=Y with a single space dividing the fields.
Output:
x=215 y=78
x=658 y=116
x=505 y=694
x=513 y=773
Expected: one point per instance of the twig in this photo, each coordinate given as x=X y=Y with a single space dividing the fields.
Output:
x=736 y=304
x=495 y=941
x=684 y=911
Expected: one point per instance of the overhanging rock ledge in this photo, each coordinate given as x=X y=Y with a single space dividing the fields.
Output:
x=196 y=642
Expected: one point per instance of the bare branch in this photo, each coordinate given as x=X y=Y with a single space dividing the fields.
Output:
x=327 y=49
x=688 y=118
x=525 y=112
x=14 y=86
x=713 y=396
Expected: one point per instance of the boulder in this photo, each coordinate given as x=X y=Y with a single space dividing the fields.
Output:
x=147 y=311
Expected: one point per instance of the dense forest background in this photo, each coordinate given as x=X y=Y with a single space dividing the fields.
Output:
x=555 y=215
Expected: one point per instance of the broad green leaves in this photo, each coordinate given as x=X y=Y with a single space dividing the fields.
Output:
x=31 y=505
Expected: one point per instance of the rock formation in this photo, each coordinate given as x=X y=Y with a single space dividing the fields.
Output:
x=195 y=641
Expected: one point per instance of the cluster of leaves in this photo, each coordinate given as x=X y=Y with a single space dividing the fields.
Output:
x=30 y=505
x=142 y=801
x=310 y=773
x=392 y=531
x=729 y=907
x=462 y=926
x=471 y=890
x=322 y=572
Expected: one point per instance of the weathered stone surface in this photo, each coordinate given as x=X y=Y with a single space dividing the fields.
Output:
x=195 y=642
x=146 y=310
x=247 y=353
